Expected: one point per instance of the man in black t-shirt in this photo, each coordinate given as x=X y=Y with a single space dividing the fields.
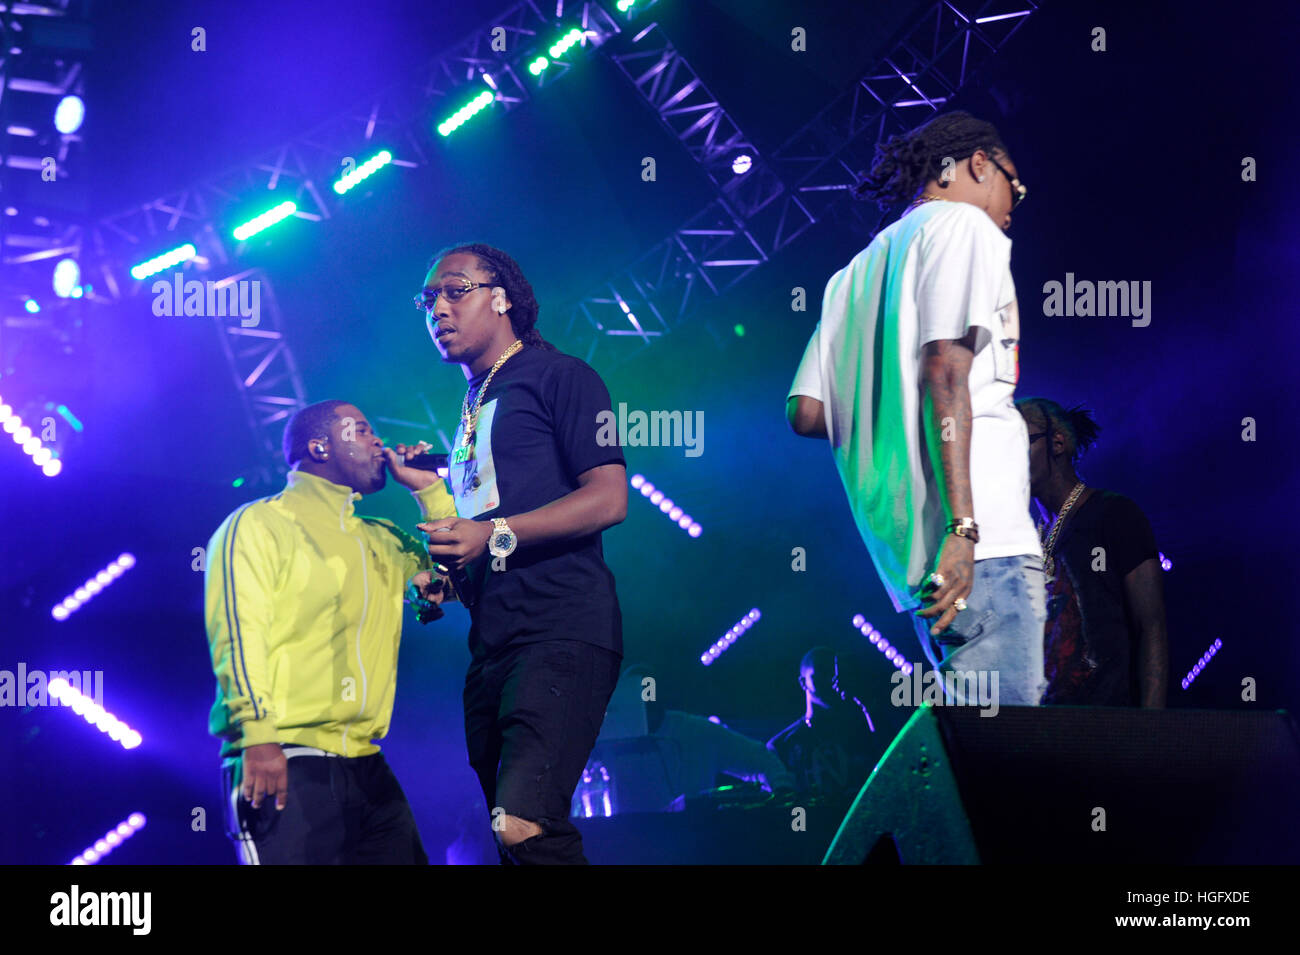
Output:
x=534 y=489
x=1105 y=642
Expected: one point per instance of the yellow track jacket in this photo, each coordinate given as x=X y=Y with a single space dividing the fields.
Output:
x=303 y=605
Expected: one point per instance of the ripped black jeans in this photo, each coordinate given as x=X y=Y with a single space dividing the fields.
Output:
x=532 y=714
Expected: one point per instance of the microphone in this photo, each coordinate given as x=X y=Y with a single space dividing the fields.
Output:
x=428 y=461
x=460 y=579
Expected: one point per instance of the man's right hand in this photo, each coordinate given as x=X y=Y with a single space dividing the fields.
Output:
x=956 y=565
x=265 y=773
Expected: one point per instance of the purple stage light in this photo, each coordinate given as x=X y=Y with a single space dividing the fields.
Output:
x=666 y=505
x=92 y=586
x=94 y=714
x=737 y=630
x=111 y=840
x=891 y=653
x=1201 y=664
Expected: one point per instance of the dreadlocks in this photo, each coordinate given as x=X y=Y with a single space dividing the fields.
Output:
x=505 y=272
x=1075 y=424
x=906 y=162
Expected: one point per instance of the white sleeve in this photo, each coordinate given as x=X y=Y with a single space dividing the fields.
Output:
x=808 y=379
x=959 y=276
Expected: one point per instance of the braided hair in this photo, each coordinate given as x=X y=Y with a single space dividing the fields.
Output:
x=505 y=272
x=906 y=162
x=1076 y=424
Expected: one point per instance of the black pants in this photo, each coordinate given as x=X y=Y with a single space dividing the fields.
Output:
x=532 y=714
x=339 y=811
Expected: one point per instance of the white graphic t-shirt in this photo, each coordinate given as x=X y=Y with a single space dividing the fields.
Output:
x=939 y=271
x=474 y=481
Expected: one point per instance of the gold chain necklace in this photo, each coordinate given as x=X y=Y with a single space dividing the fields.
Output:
x=926 y=198
x=1049 y=548
x=468 y=418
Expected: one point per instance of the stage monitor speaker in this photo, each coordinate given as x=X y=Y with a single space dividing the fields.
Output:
x=1080 y=785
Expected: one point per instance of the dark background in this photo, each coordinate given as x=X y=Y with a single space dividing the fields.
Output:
x=1132 y=158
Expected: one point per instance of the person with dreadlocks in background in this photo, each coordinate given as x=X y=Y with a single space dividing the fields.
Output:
x=535 y=482
x=1106 y=641
x=910 y=373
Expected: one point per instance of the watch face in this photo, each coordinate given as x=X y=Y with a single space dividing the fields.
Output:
x=502 y=541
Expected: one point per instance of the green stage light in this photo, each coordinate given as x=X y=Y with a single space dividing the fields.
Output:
x=561 y=46
x=165 y=261
x=267 y=219
x=462 y=115
x=364 y=171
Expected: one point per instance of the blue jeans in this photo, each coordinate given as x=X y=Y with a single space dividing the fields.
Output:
x=1000 y=631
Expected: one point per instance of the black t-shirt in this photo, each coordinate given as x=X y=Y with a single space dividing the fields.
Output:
x=537 y=431
x=834 y=756
x=1092 y=639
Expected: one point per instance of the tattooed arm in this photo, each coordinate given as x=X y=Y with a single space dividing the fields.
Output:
x=945 y=374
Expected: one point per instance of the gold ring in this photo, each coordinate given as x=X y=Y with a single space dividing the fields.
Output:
x=936 y=579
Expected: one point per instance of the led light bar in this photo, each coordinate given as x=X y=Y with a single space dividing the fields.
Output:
x=111 y=840
x=1202 y=663
x=31 y=444
x=459 y=118
x=877 y=639
x=165 y=261
x=665 y=504
x=94 y=714
x=267 y=219
x=731 y=636
x=364 y=171
x=564 y=43
x=93 y=586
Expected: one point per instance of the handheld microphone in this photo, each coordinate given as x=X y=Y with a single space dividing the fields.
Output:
x=428 y=461
x=460 y=579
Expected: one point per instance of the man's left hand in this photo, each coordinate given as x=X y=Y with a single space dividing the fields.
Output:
x=455 y=541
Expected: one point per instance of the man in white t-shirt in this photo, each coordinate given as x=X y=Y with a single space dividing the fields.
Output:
x=911 y=374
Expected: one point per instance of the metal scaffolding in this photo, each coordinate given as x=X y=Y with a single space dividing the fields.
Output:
x=803 y=182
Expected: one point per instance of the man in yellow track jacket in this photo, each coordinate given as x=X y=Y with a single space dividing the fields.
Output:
x=303 y=605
